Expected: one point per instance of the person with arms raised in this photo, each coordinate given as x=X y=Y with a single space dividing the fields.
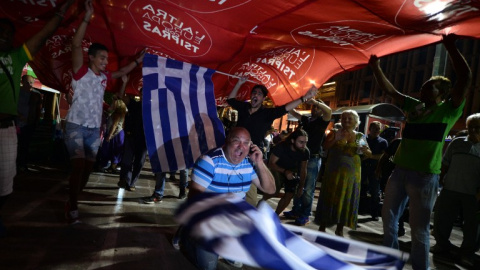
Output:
x=419 y=156
x=315 y=126
x=83 y=120
x=257 y=119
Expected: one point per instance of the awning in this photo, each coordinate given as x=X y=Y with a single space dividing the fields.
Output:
x=384 y=110
x=27 y=70
x=294 y=119
x=285 y=45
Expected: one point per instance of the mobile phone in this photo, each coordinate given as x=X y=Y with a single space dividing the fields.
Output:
x=251 y=150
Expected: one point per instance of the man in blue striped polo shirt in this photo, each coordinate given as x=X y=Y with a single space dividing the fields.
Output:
x=231 y=168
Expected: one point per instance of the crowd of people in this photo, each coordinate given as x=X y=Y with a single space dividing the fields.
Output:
x=403 y=172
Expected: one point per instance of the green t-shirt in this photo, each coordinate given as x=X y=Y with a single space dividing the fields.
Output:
x=14 y=61
x=424 y=135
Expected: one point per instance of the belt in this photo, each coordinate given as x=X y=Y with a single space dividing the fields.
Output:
x=6 y=123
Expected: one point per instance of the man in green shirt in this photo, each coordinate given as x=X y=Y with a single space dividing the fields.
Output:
x=12 y=61
x=418 y=158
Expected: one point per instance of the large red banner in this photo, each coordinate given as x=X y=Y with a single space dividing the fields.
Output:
x=285 y=45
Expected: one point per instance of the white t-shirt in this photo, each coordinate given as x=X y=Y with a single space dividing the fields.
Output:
x=87 y=101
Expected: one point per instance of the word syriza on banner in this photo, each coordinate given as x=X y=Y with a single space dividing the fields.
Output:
x=235 y=230
x=179 y=113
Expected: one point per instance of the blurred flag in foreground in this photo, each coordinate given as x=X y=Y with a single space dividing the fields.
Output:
x=179 y=113
x=233 y=229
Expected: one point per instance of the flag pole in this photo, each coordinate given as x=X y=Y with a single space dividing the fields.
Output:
x=231 y=75
x=216 y=71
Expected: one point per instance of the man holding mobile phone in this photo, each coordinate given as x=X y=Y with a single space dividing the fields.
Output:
x=231 y=168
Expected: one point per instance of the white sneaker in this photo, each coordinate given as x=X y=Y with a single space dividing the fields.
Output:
x=176 y=242
x=234 y=263
x=71 y=216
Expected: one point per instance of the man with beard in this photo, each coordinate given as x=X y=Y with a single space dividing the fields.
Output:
x=258 y=119
x=288 y=163
x=315 y=126
x=231 y=168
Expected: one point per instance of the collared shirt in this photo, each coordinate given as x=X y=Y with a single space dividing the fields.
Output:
x=216 y=174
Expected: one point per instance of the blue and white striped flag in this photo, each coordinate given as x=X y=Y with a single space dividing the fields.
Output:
x=233 y=229
x=179 y=113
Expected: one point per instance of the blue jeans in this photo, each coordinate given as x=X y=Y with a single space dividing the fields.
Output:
x=133 y=159
x=303 y=206
x=421 y=189
x=82 y=142
x=200 y=257
x=160 y=182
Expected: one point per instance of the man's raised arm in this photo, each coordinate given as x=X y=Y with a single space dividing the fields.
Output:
x=77 y=53
x=37 y=41
x=310 y=94
x=234 y=92
x=383 y=82
x=464 y=74
x=327 y=111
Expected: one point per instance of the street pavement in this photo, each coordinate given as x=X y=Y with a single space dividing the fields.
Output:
x=118 y=230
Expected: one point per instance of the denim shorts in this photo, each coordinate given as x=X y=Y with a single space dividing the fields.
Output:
x=82 y=142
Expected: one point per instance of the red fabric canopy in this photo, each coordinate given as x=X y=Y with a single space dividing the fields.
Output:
x=285 y=45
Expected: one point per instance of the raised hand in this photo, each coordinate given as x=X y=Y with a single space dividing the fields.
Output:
x=88 y=9
x=373 y=61
x=141 y=56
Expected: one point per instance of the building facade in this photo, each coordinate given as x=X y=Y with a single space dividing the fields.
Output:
x=407 y=71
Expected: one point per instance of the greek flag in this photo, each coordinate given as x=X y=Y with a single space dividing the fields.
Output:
x=179 y=113
x=234 y=230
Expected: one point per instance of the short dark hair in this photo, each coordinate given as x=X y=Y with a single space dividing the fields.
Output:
x=262 y=88
x=8 y=22
x=374 y=123
x=95 y=47
x=389 y=133
x=443 y=84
